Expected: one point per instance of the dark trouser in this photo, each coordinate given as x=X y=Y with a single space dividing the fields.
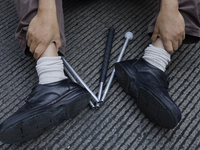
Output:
x=27 y=9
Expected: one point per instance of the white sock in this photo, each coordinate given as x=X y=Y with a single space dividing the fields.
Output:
x=50 y=69
x=158 y=57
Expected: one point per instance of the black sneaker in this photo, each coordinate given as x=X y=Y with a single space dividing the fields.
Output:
x=48 y=105
x=148 y=86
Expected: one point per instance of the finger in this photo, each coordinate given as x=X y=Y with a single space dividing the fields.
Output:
x=168 y=46
x=29 y=43
x=154 y=37
x=180 y=40
x=27 y=35
x=33 y=46
x=28 y=39
x=183 y=36
x=57 y=44
x=175 y=45
x=39 y=50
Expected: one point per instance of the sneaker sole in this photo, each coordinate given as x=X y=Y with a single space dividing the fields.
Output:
x=152 y=107
x=34 y=123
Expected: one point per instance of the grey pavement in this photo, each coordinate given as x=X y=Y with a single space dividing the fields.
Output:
x=118 y=124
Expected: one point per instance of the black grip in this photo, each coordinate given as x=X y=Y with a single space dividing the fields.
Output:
x=107 y=54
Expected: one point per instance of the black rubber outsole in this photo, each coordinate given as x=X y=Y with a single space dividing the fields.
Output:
x=39 y=120
x=152 y=107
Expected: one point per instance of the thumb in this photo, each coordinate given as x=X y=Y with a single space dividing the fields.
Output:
x=154 y=37
x=57 y=43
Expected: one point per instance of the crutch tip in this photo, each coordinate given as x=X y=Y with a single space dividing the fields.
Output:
x=98 y=105
x=129 y=35
x=92 y=105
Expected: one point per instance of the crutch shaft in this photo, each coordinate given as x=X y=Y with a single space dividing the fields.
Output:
x=79 y=79
x=74 y=80
x=128 y=36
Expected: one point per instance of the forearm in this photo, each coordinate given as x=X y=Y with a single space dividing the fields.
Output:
x=47 y=6
x=169 y=5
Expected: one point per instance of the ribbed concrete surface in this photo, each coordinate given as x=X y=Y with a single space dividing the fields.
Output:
x=118 y=124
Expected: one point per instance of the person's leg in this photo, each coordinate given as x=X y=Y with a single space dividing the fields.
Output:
x=55 y=98
x=27 y=10
x=156 y=55
x=144 y=79
x=50 y=66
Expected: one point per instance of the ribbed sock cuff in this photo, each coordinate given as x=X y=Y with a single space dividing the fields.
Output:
x=50 y=69
x=158 y=57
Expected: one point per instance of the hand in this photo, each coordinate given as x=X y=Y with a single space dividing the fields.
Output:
x=170 y=27
x=43 y=30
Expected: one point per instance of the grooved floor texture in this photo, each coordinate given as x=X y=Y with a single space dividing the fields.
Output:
x=118 y=124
